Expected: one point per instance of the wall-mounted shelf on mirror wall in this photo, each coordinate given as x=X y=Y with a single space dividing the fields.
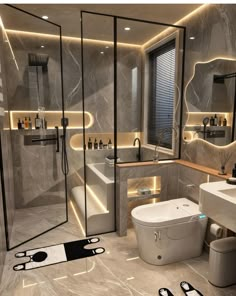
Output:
x=196 y=118
x=53 y=118
x=124 y=140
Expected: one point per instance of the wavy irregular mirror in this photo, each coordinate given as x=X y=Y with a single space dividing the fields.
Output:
x=210 y=96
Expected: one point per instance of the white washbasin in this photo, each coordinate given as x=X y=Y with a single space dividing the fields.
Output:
x=218 y=202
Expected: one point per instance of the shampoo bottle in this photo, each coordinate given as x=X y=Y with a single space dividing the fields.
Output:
x=225 y=122
x=37 y=122
x=19 y=124
x=212 y=121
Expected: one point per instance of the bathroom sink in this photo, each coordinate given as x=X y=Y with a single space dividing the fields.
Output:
x=231 y=192
x=218 y=202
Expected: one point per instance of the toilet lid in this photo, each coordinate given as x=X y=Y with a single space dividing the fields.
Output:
x=166 y=213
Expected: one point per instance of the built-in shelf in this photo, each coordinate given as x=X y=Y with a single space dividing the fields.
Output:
x=53 y=118
x=135 y=197
x=124 y=140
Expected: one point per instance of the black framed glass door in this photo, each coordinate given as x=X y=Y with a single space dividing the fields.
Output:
x=32 y=105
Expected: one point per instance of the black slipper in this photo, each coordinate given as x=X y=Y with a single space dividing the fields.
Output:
x=189 y=289
x=164 y=292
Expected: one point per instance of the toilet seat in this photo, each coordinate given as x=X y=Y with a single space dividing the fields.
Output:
x=166 y=213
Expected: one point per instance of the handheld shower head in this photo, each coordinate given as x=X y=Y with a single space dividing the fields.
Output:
x=205 y=121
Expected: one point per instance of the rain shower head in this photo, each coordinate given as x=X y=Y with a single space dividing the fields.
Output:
x=38 y=59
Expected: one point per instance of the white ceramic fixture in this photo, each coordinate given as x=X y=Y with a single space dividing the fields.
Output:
x=218 y=202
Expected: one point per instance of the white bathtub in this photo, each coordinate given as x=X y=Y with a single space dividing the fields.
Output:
x=100 y=198
x=169 y=231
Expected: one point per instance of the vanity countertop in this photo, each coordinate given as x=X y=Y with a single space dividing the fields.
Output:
x=185 y=163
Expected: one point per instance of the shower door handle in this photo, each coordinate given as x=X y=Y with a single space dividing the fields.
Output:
x=56 y=138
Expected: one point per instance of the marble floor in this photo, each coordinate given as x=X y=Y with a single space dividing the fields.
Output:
x=117 y=272
x=35 y=220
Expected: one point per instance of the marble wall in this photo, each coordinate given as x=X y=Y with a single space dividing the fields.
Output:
x=214 y=29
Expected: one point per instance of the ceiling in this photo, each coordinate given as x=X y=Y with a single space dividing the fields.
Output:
x=98 y=27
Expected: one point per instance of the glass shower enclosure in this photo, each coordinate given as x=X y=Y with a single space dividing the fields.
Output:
x=115 y=90
x=32 y=138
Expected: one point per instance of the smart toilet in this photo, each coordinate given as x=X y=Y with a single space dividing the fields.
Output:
x=169 y=231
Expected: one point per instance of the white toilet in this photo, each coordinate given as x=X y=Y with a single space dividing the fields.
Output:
x=169 y=231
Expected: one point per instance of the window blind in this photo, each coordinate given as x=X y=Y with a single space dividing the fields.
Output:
x=162 y=91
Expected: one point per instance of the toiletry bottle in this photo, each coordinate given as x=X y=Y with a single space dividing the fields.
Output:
x=220 y=121
x=234 y=171
x=37 y=122
x=100 y=144
x=26 y=123
x=90 y=144
x=109 y=144
x=212 y=121
x=215 y=120
x=30 y=123
x=19 y=124
x=95 y=145
x=22 y=124
x=225 y=122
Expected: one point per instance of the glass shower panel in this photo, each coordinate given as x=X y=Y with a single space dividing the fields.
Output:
x=136 y=39
x=31 y=135
x=98 y=77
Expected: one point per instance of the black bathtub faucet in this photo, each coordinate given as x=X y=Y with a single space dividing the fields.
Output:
x=139 y=148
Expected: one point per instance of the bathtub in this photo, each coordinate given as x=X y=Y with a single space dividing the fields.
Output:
x=169 y=231
x=100 y=198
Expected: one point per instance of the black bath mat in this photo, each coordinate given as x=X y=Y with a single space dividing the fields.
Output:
x=57 y=254
x=165 y=292
x=189 y=289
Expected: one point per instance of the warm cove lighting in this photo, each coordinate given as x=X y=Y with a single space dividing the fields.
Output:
x=178 y=23
x=89 y=120
x=103 y=42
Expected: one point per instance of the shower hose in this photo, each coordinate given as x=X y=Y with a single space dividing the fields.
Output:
x=64 y=158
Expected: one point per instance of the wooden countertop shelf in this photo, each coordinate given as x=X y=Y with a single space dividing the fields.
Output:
x=185 y=163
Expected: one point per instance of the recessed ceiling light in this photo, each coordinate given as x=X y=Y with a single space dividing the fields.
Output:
x=127 y=28
x=107 y=47
x=42 y=46
x=45 y=17
x=192 y=38
x=101 y=52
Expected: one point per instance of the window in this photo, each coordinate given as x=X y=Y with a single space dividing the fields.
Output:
x=162 y=95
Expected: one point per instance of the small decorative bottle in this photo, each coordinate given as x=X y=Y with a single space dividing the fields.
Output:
x=19 y=124
x=100 y=144
x=95 y=145
x=220 y=121
x=225 y=122
x=30 y=123
x=90 y=144
x=26 y=123
x=212 y=121
x=109 y=144
x=37 y=122
x=22 y=124
x=215 y=120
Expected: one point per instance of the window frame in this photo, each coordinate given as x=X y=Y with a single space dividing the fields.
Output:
x=147 y=90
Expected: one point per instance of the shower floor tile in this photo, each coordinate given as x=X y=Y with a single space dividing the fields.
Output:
x=117 y=272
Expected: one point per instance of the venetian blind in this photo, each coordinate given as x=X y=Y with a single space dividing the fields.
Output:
x=162 y=90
